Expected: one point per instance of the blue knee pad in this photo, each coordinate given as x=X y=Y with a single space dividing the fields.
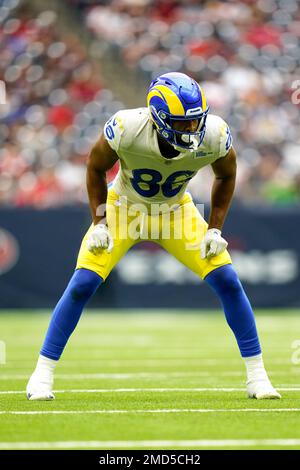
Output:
x=83 y=284
x=238 y=311
x=67 y=312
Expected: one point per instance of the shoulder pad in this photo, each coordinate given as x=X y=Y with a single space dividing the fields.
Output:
x=114 y=130
x=122 y=128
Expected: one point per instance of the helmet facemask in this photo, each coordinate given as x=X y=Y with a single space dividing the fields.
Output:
x=180 y=140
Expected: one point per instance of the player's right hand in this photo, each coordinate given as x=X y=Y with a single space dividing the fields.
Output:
x=100 y=239
x=213 y=244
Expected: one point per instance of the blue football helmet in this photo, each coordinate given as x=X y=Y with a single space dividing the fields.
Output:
x=173 y=97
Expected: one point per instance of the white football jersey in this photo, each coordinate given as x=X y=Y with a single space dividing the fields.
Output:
x=145 y=176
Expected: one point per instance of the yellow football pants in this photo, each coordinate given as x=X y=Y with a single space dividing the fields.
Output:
x=178 y=231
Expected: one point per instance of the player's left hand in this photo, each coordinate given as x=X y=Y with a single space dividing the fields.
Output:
x=212 y=244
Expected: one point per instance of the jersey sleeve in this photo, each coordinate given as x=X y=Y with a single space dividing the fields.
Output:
x=114 y=130
x=225 y=138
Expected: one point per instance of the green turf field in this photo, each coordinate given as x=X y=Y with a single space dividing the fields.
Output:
x=149 y=380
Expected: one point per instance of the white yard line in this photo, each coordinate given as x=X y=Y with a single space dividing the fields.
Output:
x=133 y=375
x=162 y=411
x=185 y=444
x=148 y=361
x=156 y=390
x=125 y=375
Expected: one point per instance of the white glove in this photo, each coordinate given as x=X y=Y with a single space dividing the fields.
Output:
x=212 y=244
x=100 y=239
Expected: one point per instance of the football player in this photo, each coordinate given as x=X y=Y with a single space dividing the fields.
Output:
x=160 y=148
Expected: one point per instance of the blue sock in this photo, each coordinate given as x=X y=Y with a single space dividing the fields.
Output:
x=237 y=308
x=67 y=312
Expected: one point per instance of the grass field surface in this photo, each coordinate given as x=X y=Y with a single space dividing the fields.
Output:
x=150 y=380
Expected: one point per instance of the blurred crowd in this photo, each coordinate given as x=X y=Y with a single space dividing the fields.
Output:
x=245 y=54
x=55 y=108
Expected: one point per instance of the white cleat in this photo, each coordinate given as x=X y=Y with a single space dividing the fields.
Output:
x=40 y=388
x=262 y=389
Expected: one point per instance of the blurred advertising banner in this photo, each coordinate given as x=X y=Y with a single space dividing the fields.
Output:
x=38 y=250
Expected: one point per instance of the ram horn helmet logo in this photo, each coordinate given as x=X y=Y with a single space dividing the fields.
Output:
x=9 y=251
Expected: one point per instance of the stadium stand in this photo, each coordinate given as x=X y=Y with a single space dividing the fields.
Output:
x=245 y=54
x=56 y=106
